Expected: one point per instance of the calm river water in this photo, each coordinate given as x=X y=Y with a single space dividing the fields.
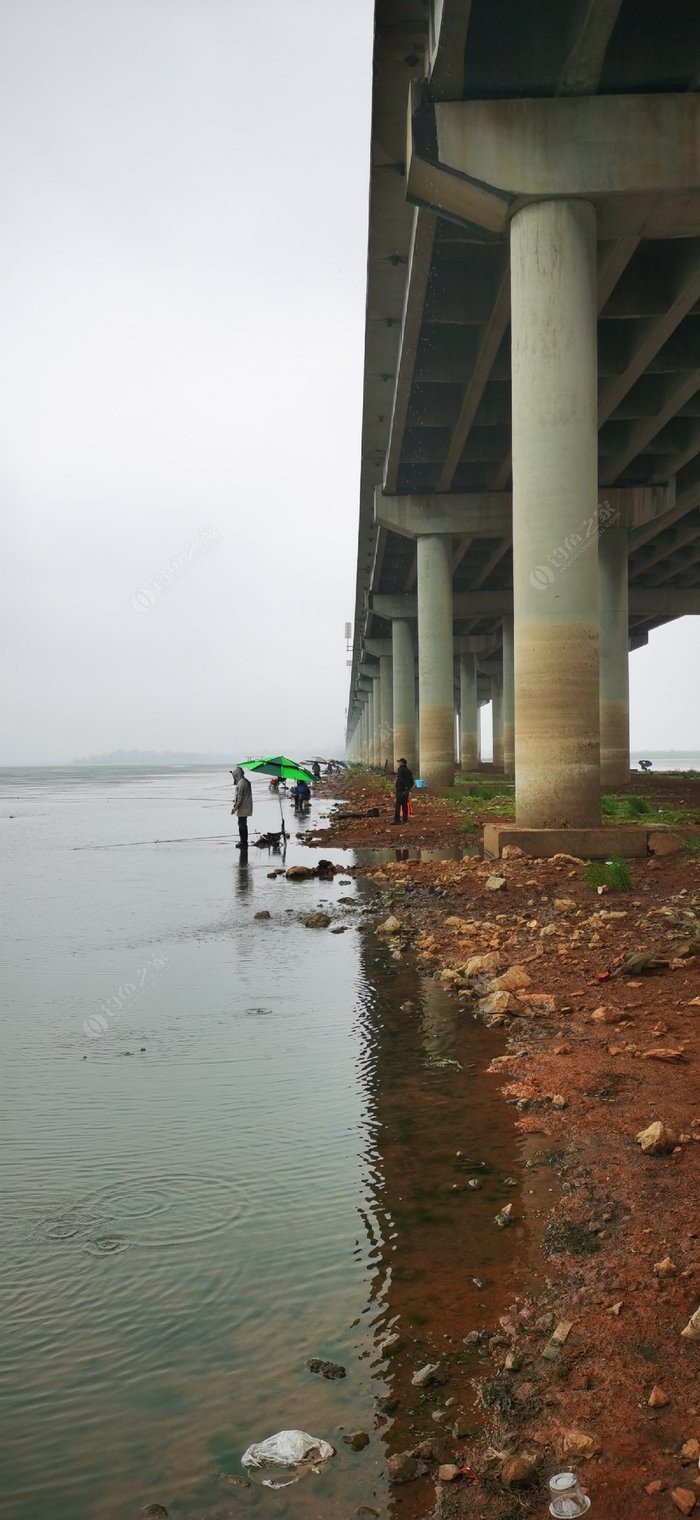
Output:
x=226 y=1150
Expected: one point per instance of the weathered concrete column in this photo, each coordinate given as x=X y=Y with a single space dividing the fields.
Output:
x=386 y=711
x=614 y=659
x=468 y=713
x=508 y=705
x=497 y=719
x=404 y=676
x=435 y=660
x=555 y=461
x=376 y=718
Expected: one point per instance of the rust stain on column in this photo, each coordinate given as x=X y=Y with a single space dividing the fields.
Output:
x=557 y=736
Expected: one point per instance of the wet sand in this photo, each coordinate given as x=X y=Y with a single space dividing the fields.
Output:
x=580 y=1085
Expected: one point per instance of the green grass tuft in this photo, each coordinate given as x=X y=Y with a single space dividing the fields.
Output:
x=613 y=874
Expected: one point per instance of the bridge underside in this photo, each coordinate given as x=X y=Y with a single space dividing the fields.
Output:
x=530 y=489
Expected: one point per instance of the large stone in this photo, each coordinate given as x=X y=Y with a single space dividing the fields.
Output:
x=518 y=1471
x=402 y=1468
x=656 y=1139
x=299 y=873
x=497 y=1003
x=390 y=926
x=659 y=842
x=512 y=980
x=425 y=1375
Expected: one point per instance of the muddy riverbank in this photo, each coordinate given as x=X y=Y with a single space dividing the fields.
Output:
x=598 y=1000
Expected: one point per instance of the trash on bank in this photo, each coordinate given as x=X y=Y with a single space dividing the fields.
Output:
x=285 y=1457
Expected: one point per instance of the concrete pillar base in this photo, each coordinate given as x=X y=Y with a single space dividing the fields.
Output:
x=601 y=843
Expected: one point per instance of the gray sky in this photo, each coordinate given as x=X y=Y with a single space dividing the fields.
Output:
x=182 y=281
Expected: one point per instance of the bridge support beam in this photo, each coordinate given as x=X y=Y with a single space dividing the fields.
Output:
x=386 y=712
x=404 y=674
x=614 y=659
x=497 y=719
x=468 y=714
x=508 y=697
x=435 y=660
x=555 y=461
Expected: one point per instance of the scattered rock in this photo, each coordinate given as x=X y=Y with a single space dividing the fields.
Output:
x=262 y=914
x=314 y=920
x=460 y=1429
x=564 y=905
x=654 y=1487
x=357 y=1441
x=391 y=925
x=512 y=852
x=512 y=980
x=156 y=1511
x=408 y=1006
x=518 y=1471
x=325 y=1369
x=497 y=1003
x=659 y=843
x=684 y=1499
x=402 y=1468
x=663 y=1053
x=447 y=1472
x=657 y=1398
x=473 y=1338
x=230 y=1480
x=387 y=1403
x=606 y=1015
x=475 y=1182
x=665 y=1268
x=577 y=1444
x=656 y=1139
x=692 y=1329
x=690 y=1450
x=559 y=1101
x=495 y=883
x=425 y=1375
x=505 y=1217
x=477 y=965
x=299 y=873
x=513 y=1362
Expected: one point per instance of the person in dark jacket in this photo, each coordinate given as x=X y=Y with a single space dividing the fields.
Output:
x=404 y=782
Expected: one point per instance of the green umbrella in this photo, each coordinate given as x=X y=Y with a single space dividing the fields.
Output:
x=278 y=765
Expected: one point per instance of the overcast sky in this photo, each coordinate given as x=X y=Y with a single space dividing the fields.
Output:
x=182 y=279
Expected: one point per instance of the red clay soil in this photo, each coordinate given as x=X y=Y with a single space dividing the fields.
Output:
x=597 y=1052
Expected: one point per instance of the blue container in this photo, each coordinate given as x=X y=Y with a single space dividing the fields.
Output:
x=419 y=783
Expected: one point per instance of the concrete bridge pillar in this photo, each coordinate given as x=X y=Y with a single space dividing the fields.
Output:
x=508 y=712
x=376 y=715
x=614 y=659
x=404 y=675
x=555 y=462
x=386 y=711
x=435 y=659
x=468 y=713
x=497 y=717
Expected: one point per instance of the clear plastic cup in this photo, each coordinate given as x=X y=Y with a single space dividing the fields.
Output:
x=567 y=1499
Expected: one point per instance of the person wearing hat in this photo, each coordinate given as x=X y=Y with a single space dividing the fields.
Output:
x=404 y=782
x=242 y=805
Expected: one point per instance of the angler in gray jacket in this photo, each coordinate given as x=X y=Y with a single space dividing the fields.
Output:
x=242 y=805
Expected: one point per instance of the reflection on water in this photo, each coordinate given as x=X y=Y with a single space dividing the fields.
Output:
x=251 y=1160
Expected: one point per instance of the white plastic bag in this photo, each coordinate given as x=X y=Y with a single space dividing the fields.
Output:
x=286 y=1457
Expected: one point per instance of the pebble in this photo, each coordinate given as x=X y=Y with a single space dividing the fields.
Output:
x=357 y=1441
x=425 y=1375
x=657 y=1398
x=447 y=1472
x=684 y=1500
x=325 y=1369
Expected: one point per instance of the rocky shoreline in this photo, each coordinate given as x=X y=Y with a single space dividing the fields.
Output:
x=599 y=998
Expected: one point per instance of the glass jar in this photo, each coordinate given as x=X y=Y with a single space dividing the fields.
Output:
x=567 y=1497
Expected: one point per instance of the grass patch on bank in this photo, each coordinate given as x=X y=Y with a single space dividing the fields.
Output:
x=613 y=874
x=476 y=796
x=629 y=807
